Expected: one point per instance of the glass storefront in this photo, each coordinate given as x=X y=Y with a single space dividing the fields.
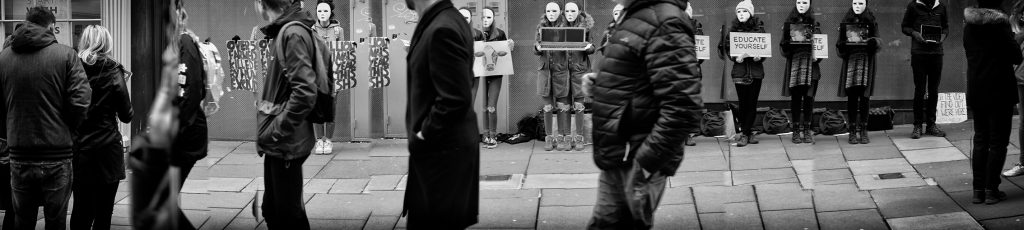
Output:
x=72 y=16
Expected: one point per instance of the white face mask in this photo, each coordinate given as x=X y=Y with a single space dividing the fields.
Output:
x=617 y=11
x=467 y=15
x=803 y=5
x=488 y=18
x=689 y=10
x=859 y=6
x=743 y=15
x=572 y=11
x=323 y=12
x=552 y=11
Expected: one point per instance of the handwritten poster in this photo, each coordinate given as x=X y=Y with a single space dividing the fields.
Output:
x=752 y=44
x=492 y=58
x=380 y=74
x=700 y=45
x=343 y=55
x=820 y=46
x=247 y=63
x=952 y=108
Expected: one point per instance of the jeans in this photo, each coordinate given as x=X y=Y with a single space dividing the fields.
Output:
x=747 y=94
x=627 y=200
x=492 y=88
x=927 y=73
x=94 y=205
x=44 y=183
x=992 y=124
x=282 y=202
x=5 y=193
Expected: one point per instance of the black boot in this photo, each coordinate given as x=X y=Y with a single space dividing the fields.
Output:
x=979 y=197
x=934 y=130
x=752 y=139
x=864 y=133
x=808 y=136
x=916 y=134
x=796 y=134
x=743 y=141
x=994 y=196
x=691 y=140
x=854 y=137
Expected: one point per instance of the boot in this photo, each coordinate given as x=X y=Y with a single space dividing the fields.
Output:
x=796 y=134
x=562 y=142
x=743 y=141
x=854 y=137
x=808 y=136
x=549 y=129
x=549 y=142
x=994 y=196
x=864 y=133
x=979 y=197
x=579 y=143
x=916 y=134
x=691 y=140
x=934 y=130
x=752 y=139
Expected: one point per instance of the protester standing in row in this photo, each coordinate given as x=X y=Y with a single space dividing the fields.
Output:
x=444 y=153
x=579 y=64
x=802 y=69
x=747 y=72
x=492 y=84
x=330 y=30
x=1017 y=23
x=926 y=60
x=857 y=77
x=45 y=96
x=552 y=78
x=99 y=154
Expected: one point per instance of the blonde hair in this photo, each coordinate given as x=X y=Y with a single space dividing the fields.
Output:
x=94 y=43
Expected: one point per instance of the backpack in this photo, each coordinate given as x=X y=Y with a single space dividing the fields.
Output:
x=880 y=118
x=214 y=76
x=323 y=108
x=712 y=124
x=832 y=122
x=528 y=126
x=776 y=121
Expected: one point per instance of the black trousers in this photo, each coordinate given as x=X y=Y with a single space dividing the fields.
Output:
x=857 y=105
x=94 y=205
x=183 y=222
x=747 y=95
x=992 y=125
x=283 y=207
x=801 y=104
x=927 y=73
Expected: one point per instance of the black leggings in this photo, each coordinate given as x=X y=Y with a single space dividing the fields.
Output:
x=747 y=95
x=94 y=205
x=801 y=104
x=857 y=105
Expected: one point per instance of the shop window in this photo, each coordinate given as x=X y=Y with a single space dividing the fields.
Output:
x=72 y=16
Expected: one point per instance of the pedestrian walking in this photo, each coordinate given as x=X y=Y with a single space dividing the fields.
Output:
x=1017 y=23
x=802 y=69
x=639 y=127
x=99 y=154
x=991 y=93
x=330 y=30
x=927 y=24
x=747 y=72
x=444 y=146
x=190 y=145
x=492 y=84
x=46 y=92
x=288 y=97
x=858 y=46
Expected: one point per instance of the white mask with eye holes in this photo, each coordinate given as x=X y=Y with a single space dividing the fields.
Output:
x=802 y=6
x=467 y=15
x=323 y=12
x=488 y=19
x=617 y=11
x=743 y=15
x=572 y=11
x=859 y=6
x=552 y=11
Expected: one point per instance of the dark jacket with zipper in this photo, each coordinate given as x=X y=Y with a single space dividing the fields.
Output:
x=45 y=95
x=991 y=53
x=289 y=91
x=98 y=157
x=647 y=92
x=191 y=143
x=918 y=13
x=749 y=69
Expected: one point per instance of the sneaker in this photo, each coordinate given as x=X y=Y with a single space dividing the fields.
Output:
x=916 y=134
x=994 y=196
x=549 y=143
x=691 y=141
x=491 y=143
x=752 y=139
x=318 y=147
x=854 y=138
x=796 y=137
x=743 y=141
x=562 y=143
x=579 y=143
x=1017 y=170
x=328 y=147
x=934 y=130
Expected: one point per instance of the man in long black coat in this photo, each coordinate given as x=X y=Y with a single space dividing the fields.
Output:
x=991 y=93
x=444 y=152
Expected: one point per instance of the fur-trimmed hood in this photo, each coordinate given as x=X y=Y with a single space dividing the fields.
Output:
x=984 y=16
x=545 y=23
x=583 y=21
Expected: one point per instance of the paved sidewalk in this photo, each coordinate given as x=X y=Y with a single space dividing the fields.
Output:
x=771 y=185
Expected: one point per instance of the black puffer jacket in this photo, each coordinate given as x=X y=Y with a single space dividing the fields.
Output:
x=647 y=92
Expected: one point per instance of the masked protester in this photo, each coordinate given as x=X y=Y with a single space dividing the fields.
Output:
x=330 y=30
x=926 y=60
x=747 y=72
x=802 y=70
x=858 y=48
x=492 y=84
x=553 y=80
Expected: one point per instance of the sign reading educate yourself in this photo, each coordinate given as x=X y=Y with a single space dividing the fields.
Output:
x=752 y=44
x=952 y=108
x=700 y=45
x=820 y=46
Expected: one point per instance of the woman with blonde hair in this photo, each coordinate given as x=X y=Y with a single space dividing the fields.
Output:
x=98 y=160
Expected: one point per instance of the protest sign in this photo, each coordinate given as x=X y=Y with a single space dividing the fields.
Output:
x=752 y=44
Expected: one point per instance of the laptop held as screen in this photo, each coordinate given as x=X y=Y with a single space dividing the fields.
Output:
x=857 y=34
x=801 y=34
x=931 y=33
x=563 y=38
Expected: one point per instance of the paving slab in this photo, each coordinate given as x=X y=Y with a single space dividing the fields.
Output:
x=713 y=221
x=317 y=159
x=568 y=197
x=381 y=223
x=257 y=184
x=831 y=161
x=514 y=181
x=390 y=148
x=826 y=177
x=803 y=166
x=388 y=165
x=790 y=219
x=871 y=152
x=247 y=147
x=701 y=179
x=712 y=199
x=561 y=181
x=235 y=171
x=349 y=186
x=196 y=186
x=510 y=193
x=764 y=176
x=773 y=197
x=562 y=163
x=217 y=184
x=708 y=163
x=875 y=167
x=873 y=182
x=764 y=161
x=754 y=150
x=1008 y=223
x=387 y=203
x=221 y=148
x=956 y=220
x=241 y=159
x=915 y=201
x=355 y=169
x=706 y=147
x=744 y=215
x=676 y=217
x=383 y=182
x=1007 y=208
x=328 y=206
x=246 y=223
x=947 y=168
x=564 y=217
x=219 y=218
x=679 y=195
x=957 y=183
x=225 y=200
x=499 y=166
x=508 y=213
x=926 y=142
x=800 y=152
x=878 y=138
x=352 y=151
x=934 y=155
x=828 y=198
x=963 y=145
x=864 y=219
x=318 y=185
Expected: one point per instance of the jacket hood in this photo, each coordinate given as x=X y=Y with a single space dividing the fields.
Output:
x=936 y=4
x=290 y=14
x=31 y=37
x=332 y=24
x=806 y=17
x=864 y=17
x=984 y=16
x=545 y=23
x=583 y=21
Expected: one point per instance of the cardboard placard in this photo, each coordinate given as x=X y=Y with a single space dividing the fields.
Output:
x=820 y=46
x=701 y=47
x=492 y=58
x=752 y=44
x=952 y=108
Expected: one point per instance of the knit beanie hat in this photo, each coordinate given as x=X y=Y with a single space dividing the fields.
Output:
x=991 y=4
x=746 y=4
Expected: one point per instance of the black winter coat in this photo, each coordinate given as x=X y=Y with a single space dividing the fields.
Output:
x=858 y=60
x=749 y=69
x=289 y=91
x=918 y=13
x=45 y=95
x=802 y=68
x=99 y=153
x=444 y=167
x=579 y=61
x=991 y=53
x=647 y=92
x=191 y=143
